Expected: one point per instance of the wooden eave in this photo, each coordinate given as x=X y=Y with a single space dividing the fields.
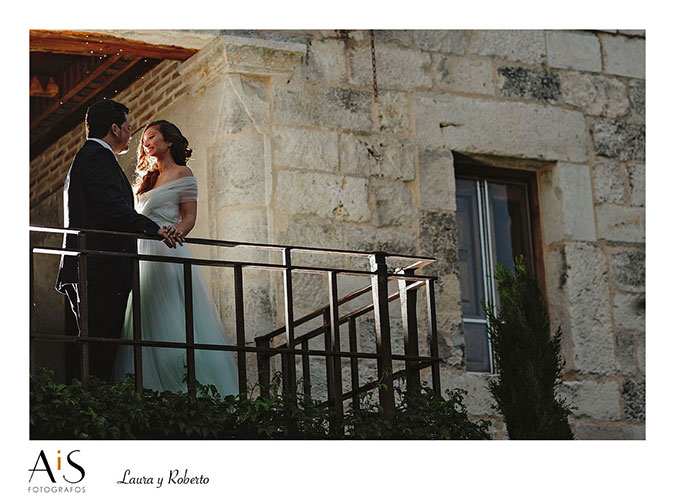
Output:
x=102 y=66
x=95 y=44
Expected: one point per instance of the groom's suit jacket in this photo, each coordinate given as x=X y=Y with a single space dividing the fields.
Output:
x=97 y=195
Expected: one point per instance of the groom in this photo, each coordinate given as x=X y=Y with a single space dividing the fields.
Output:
x=97 y=195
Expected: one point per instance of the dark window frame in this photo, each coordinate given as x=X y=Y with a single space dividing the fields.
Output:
x=466 y=167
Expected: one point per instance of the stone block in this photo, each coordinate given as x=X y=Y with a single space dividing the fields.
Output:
x=514 y=45
x=393 y=204
x=640 y=352
x=260 y=315
x=633 y=394
x=451 y=345
x=365 y=333
x=578 y=294
x=459 y=74
x=632 y=32
x=628 y=270
x=437 y=180
x=591 y=399
x=619 y=139
x=387 y=239
x=516 y=129
x=242 y=224
x=322 y=194
x=629 y=311
x=394 y=112
x=608 y=182
x=567 y=204
x=478 y=400
x=438 y=239
x=315 y=233
x=595 y=95
x=625 y=353
x=239 y=54
x=637 y=99
x=306 y=149
x=609 y=432
x=397 y=68
x=326 y=61
x=312 y=105
x=239 y=171
x=573 y=50
x=624 y=56
x=527 y=83
x=620 y=223
x=447 y=41
x=310 y=292
x=377 y=156
x=400 y=37
x=636 y=183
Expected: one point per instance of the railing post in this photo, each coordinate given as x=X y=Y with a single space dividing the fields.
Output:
x=327 y=344
x=136 y=310
x=306 y=373
x=289 y=375
x=83 y=296
x=189 y=330
x=354 y=362
x=264 y=368
x=31 y=321
x=239 y=321
x=410 y=339
x=379 y=280
x=431 y=314
x=335 y=348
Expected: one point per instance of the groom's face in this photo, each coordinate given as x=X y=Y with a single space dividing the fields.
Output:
x=125 y=135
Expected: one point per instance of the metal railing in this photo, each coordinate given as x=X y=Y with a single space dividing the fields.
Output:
x=283 y=341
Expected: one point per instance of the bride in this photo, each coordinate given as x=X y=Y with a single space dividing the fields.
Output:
x=166 y=192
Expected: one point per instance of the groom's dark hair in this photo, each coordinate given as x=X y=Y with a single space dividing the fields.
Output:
x=101 y=116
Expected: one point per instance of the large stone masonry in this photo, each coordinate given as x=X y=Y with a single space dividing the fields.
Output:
x=292 y=148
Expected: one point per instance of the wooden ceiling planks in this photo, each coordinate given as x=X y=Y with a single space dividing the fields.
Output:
x=95 y=44
x=101 y=66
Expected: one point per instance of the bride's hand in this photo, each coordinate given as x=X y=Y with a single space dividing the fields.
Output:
x=167 y=238
x=176 y=235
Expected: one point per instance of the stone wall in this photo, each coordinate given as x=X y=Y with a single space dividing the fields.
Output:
x=292 y=148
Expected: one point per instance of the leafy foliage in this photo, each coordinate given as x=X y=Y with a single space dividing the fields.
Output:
x=528 y=360
x=97 y=410
x=420 y=414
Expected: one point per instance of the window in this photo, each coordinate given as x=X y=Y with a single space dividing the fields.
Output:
x=497 y=221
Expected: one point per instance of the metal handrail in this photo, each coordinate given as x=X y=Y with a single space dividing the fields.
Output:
x=264 y=350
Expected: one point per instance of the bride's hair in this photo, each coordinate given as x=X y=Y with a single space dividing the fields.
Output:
x=146 y=169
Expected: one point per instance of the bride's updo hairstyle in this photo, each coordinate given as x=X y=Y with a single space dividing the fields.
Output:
x=146 y=169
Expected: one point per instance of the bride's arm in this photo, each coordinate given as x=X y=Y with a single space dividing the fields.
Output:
x=188 y=217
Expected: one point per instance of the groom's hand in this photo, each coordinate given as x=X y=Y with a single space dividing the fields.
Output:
x=176 y=235
x=168 y=239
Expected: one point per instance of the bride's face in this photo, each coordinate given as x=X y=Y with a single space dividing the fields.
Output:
x=154 y=144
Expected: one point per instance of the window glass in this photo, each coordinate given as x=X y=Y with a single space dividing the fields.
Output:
x=493 y=227
x=468 y=251
x=510 y=233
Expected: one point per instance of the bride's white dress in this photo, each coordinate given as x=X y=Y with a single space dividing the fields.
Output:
x=163 y=307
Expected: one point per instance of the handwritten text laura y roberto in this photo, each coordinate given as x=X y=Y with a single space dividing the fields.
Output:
x=174 y=477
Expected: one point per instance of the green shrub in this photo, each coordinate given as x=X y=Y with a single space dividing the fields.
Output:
x=527 y=359
x=97 y=410
x=419 y=415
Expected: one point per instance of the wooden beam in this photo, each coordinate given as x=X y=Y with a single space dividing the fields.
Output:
x=83 y=83
x=95 y=44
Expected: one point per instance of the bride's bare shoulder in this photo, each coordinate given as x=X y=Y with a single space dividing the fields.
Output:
x=184 y=171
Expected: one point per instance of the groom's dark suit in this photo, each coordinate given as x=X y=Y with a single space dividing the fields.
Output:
x=97 y=195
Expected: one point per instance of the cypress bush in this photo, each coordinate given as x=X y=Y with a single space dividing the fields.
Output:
x=527 y=359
